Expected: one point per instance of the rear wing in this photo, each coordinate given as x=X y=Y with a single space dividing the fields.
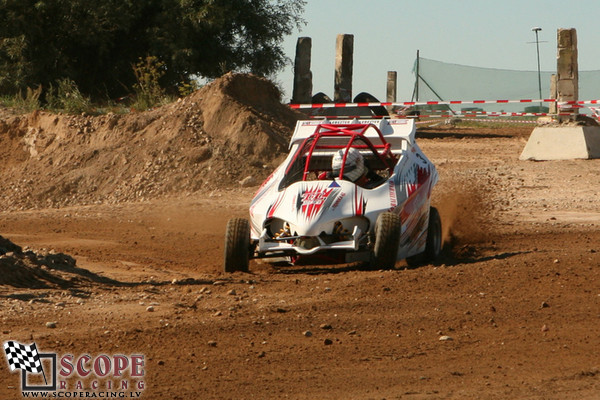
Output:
x=394 y=131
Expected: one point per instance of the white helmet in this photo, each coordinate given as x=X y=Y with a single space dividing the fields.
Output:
x=354 y=168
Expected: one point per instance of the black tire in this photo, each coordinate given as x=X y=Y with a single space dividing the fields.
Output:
x=433 y=245
x=433 y=248
x=237 y=245
x=387 y=240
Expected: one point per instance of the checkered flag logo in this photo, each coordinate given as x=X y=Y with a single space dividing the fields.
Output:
x=23 y=357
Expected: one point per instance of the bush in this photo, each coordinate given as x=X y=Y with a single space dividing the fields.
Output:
x=147 y=88
x=188 y=87
x=67 y=97
x=29 y=103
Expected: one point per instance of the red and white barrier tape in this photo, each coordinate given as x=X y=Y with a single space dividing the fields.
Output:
x=495 y=115
x=564 y=104
x=499 y=120
x=486 y=114
x=472 y=115
x=581 y=102
x=417 y=103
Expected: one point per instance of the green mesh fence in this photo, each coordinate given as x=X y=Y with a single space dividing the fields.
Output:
x=441 y=81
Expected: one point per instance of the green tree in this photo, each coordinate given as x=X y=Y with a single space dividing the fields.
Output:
x=96 y=43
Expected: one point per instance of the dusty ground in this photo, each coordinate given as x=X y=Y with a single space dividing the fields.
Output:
x=518 y=293
x=106 y=217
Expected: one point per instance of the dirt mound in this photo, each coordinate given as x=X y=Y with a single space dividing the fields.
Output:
x=37 y=270
x=232 y=128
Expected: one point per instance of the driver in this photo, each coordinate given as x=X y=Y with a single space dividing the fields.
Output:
x=354 y=169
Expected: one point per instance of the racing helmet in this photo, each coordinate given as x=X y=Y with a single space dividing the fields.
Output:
x=355 y=165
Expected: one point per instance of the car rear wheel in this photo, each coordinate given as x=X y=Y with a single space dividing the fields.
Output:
x=433 y=249
x=387 y=240
x=237 y=245
x=433 y=246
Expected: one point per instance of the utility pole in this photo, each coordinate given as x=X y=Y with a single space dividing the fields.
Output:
x=537 y=45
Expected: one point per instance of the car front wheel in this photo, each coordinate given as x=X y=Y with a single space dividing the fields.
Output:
x=237 y=245
x=387 y=240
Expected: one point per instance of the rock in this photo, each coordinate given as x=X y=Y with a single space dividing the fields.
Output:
x=446 y=338
x=545 y=328
x=150 y=308
x=217 y=314
x=327 y=342
x=325 y=326
x=232 y=292
x=307 y=333
x=261 y=354
x=248 y=181
x=212 y=343
x=51 y=325
x=544 y=120
x=544 y=305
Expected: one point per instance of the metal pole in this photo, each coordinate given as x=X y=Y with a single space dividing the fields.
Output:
x=537 y=45
x=417 y=81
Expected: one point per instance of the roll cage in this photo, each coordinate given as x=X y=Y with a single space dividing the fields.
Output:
x=315 y=152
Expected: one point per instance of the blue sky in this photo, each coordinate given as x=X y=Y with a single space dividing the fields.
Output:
x=482 y=33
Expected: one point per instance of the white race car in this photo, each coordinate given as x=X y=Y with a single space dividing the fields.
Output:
x=350 y=190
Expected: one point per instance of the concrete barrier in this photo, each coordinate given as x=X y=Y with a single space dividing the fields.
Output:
x=562 y=143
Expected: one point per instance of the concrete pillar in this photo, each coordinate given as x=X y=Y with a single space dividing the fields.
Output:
x=302 y=92
x=567 y=71
x=392 y=84
x=344 y=49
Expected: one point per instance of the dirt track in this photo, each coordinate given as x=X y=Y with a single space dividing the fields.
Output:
x=518 y=292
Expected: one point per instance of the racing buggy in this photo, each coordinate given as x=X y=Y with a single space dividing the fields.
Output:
x=349 y=190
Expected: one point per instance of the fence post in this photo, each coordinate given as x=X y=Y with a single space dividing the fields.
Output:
x=392 y=84
x=302 y=91
x=344 y=49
